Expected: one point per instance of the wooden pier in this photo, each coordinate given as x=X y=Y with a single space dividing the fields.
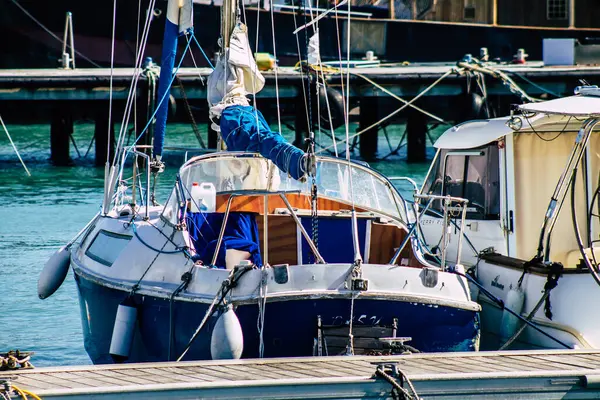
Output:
x=70 y=93
x=552 y=374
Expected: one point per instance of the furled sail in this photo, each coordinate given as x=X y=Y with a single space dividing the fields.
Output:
x=179 y=22
x=243 y=127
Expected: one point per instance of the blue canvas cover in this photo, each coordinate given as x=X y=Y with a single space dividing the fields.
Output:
x=244 y=129
x=241 y=233
x=335 y=241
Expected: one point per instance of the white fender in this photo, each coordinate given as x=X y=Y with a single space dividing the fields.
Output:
x=227 y=339
x=515 y=299
x=54 y=272
x=123 y=330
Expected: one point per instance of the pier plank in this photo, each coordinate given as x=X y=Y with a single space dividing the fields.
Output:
x=198 y=373
x=105 y=380
x=566 y=362
x=498 y=375
x=122 y=375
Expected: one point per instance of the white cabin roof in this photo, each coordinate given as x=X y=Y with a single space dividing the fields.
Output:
x=575 y=106
x=547 y=115
x=472 y=134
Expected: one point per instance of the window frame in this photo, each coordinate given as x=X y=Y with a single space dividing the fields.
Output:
x=557 y=10
x=99 y=259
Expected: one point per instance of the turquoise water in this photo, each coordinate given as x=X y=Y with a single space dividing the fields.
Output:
x=38 y=214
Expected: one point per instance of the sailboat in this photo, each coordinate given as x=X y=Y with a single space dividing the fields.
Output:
x=531 y=181
x=244 y=260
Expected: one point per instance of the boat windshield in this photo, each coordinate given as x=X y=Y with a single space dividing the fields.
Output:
x=249 y=173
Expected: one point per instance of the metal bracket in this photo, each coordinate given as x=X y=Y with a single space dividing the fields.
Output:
x=360 y=284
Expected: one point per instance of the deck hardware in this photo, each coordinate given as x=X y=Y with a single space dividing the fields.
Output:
x=281 y=273
x=429 y=277
x=360 y=284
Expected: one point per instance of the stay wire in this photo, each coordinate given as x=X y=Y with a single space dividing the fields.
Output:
x=48 y=31
x=133 y=85
x=110 y=84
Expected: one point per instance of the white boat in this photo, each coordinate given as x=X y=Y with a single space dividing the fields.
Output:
x=244 y=261
x=527 y=178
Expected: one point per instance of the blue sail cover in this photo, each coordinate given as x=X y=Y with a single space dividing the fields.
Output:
x=244 y=128
x=179 y=21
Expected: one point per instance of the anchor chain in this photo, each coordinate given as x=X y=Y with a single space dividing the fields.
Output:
x=311 y=167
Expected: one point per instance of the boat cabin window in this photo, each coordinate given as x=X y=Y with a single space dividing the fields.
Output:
x=473 y=174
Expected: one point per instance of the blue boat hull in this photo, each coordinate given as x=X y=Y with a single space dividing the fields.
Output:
x=290 y=327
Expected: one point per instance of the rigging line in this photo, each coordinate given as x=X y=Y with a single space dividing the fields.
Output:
x=131 y=95
x=309 y=104
x=133 y=85
x=203 y=53
x=48 y=31
x=276 y=67
x=319 y=17
x=301 y=73
x=167 y=93
x=14 y=147
x=339 y=47
x=193 y=61
x=383 y=89
x=136 y=286
x=399 y=109
x=110 y=84
x=310 y=10
x=254 y=65
x=543 y=89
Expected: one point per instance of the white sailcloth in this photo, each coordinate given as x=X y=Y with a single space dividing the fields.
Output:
x=235 y=75
x=314 y=53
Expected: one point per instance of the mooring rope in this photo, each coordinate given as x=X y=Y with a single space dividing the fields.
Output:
x=262 y=304
x=226 y=286
x=441 y=78
x=398 y=392
x=383 y=89
x=14 y=147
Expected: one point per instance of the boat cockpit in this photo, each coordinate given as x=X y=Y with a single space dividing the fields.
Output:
x=247 y=202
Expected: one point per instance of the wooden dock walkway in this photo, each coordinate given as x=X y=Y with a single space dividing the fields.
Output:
x=93 y=83
x=548 y=374
x=379 y=94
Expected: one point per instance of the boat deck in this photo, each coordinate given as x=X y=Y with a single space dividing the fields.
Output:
x=549 y=374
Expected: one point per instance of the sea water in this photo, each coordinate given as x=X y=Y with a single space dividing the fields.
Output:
x=39 y=214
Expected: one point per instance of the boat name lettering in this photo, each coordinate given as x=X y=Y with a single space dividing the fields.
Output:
x=497 y=284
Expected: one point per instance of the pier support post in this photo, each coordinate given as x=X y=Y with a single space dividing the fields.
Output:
x=61 y=129
x=104 y=149
x=416 y=134
x=369 y=114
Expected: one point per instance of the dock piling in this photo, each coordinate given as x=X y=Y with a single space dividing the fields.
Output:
x=369 y=114
x=61 y=129
x=101 y=134
x=416 y=136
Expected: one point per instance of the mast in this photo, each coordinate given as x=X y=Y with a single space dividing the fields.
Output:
x=179 y=22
